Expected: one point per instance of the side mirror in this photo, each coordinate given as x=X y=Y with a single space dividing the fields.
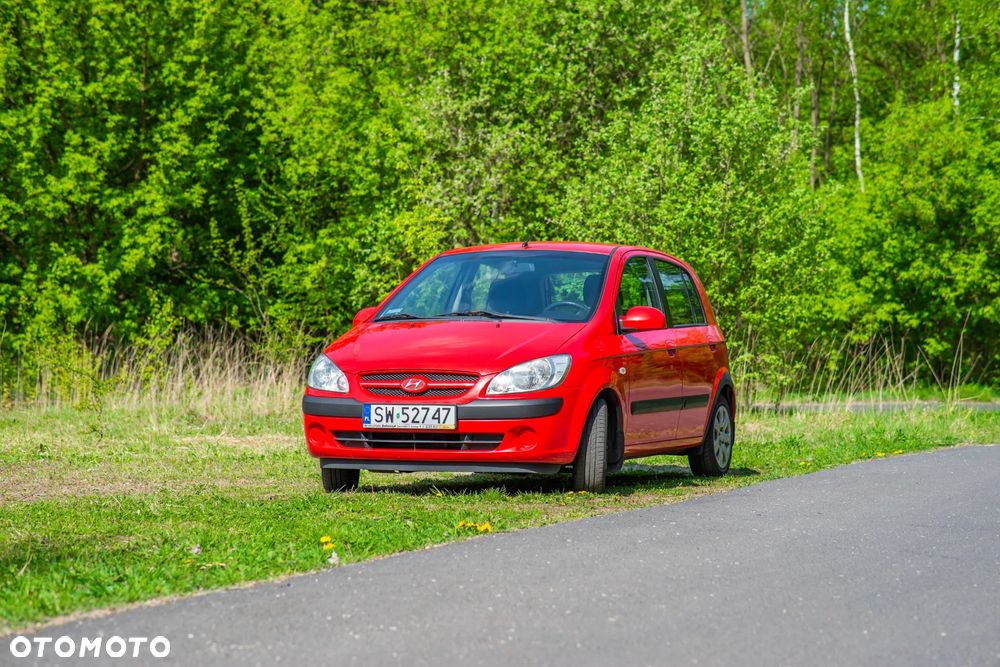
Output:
x=643 y=318
x=364 y=315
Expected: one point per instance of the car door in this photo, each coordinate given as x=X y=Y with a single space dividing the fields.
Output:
x=695 y=347
x=652 y=371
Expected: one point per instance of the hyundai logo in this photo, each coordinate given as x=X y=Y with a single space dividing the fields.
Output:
x=414 y=385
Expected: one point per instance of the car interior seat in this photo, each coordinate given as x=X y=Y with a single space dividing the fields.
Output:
x=591 y=291
x=516 y=295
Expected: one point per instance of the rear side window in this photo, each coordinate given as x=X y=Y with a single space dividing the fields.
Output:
x=637 y=287
x=679 y=296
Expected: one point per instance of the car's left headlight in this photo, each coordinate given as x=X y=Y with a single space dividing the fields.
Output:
x=325 y=375
x=533 y=375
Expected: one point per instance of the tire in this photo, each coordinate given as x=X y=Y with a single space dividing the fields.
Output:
x=713 y=456
x=590 y=467
x=340 y=479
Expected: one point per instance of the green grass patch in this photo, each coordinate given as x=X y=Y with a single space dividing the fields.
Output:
x=150 y=504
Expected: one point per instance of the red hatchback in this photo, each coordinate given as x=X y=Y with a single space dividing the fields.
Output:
x=526 y=358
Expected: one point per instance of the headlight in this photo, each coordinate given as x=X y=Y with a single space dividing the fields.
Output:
x=533 y=375
x=325 y=375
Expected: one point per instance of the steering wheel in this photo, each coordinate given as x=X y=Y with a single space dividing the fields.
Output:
x=584 y=310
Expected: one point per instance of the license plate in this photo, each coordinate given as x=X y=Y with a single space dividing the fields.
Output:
x=379 y=415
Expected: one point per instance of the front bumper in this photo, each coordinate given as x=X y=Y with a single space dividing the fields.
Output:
x=482 y=409
x=535 y=435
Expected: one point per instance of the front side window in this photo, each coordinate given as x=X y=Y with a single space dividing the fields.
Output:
x=679 y=296
x=563 y=286
x=637 y=286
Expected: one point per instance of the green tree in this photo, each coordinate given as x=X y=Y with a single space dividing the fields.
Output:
x=919 y=255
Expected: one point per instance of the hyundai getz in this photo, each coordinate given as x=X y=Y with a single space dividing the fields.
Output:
x=526 y=358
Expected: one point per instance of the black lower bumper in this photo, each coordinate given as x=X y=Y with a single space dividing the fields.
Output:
x=440 y=466
x=484 y=409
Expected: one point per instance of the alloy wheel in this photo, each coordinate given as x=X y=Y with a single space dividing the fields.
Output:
x=722 y=436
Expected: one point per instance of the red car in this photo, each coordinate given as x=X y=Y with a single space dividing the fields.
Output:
x=527 y=358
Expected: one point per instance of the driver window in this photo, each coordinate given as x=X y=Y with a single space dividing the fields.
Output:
x=581 y=288
x=637 y=286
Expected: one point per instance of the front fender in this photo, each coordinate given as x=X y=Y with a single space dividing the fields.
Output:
x=602 y=379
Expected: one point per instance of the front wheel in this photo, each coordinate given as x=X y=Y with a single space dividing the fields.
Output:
x=713 y=457
x=340 y=479
x=590 y=467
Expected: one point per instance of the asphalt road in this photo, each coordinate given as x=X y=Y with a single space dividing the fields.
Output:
x=888 y=562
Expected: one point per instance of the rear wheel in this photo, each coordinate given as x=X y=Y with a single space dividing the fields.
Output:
x=590 y=467
x=713 y=457
x=340 y=479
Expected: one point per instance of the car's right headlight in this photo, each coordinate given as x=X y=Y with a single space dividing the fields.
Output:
x=325 y=375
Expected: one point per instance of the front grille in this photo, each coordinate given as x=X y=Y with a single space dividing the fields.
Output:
x=414 y=440
x=432 y=377
x=437 y=384
x=390 y=391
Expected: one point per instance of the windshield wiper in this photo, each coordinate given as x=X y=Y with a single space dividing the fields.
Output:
x=399 y=316
x=490 y=314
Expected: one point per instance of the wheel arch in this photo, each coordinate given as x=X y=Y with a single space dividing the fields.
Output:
x=616 y=435
x=725 y=388
x=609 y=387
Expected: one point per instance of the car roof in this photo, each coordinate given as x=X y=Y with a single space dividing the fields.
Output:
x=573 y=246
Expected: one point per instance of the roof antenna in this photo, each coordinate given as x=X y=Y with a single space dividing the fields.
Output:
x=524 y=244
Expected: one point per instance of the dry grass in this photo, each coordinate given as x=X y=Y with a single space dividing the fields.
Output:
x=879 y=371
x=50 y=478
x=214 y=374
x=221 y=375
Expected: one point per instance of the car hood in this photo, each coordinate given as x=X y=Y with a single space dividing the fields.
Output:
x=479 y=346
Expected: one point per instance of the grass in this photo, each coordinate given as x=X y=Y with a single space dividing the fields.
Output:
x=122 y=505
x=969 y=393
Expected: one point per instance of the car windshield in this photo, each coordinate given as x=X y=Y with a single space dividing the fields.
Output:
x=563 y=286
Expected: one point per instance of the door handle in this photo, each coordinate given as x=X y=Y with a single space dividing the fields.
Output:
x=672 y=351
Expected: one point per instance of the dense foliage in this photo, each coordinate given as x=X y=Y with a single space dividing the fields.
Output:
x=273 y=166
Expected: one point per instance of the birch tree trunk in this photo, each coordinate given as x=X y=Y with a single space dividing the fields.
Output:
x=857 y=96
x=956 y=85
x=830 y=113
x=814 y=108
x=800 y=43
x=745 y=41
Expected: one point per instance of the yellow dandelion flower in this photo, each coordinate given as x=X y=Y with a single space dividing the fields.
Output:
x=880 y=454
x=327 y=546
x=803 y=463
x=439 y=494
x=324 y=540
x=897 y=451
x=205 y=566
